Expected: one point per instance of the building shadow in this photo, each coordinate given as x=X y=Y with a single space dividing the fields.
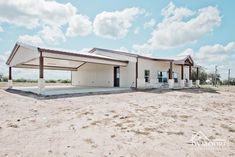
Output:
x=185 y=90
x=155 y=91
x=60 y=96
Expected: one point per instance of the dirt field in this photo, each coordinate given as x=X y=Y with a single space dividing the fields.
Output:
x=138 y=124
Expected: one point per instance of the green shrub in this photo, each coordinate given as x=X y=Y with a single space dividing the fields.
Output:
x=65 y=81
x=50 y=81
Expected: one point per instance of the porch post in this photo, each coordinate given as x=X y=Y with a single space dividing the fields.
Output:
x=197 y=81
x=10 y=82
x=41 y=81
x=182 y=82
x=171 y=80
x=190 y=77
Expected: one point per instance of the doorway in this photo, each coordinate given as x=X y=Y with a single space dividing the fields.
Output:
x=116 y=76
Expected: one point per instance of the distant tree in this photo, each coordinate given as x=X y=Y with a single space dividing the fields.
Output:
x=202 y=76
x=4 y=79
x=1 y=76
x=65 y=81
x=231 y=82
x=215 y=78
x=50 y=81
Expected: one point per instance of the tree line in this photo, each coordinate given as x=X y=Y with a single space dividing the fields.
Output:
x=211 y=78
x=5 y=79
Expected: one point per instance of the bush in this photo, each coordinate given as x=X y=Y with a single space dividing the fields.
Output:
x=4 y=79
x=65 y=81
x=20 y=80
x=50 y=81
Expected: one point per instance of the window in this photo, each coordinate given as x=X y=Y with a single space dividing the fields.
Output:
x=162 y=77
x=175 y=77
x=147 y=76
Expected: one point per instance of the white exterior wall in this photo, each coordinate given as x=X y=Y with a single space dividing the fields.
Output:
x=177 y=69
x=97 y=75
x=154 y=67
x=127 y=73
x=186 y=72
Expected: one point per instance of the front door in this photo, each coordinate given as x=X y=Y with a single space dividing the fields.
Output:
x=116 y=76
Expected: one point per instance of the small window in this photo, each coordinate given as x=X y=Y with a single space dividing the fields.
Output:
x=147 y=76
x=162 y=77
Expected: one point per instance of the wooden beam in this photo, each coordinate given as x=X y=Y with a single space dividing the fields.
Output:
x=170 y=70
x=30 y=66
x=197 y=73
x=41 y=66
x=136 y=73
x=10 y=73
x=182 y=72
x=190 y=72
x=81 y=65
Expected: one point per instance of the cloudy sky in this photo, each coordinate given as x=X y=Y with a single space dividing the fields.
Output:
x=203 y=29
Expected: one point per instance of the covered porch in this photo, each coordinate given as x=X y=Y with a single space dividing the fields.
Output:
x=183 y=81
x=25 y=56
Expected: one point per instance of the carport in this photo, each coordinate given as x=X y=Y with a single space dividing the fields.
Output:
x=26 y=56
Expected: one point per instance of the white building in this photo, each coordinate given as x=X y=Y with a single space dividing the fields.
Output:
x=105 y=68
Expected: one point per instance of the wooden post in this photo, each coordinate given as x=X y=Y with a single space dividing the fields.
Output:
x=170 y=71
x=10 y=74
x=197 y=73
x=41 y=66
x=190 y=72
x=182 y=72
x=136 y=73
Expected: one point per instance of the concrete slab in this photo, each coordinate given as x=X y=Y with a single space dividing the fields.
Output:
x=65 y=90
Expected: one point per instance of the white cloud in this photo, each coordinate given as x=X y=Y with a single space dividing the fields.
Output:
x=210 y=55
x=32 y=40
x=52 y=35
x=31 y=14
x=181 y=26
x=1 y=29
x=47 y=36
x=149 y=24
x=47 y=16
x=215 y=53
x=187 y=52
x=79 y=25
x=115 y=25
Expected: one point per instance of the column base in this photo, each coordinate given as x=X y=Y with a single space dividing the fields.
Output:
x=171 y=83
x=182 y=83
x=190 y=83
x=10 y=84
x=197 y=83
x=41 y=86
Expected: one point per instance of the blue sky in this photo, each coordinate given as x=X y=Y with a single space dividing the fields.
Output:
x=203 y=29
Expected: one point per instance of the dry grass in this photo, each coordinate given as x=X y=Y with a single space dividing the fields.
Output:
x=223 y=88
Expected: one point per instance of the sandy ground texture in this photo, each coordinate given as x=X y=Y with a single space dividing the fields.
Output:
x=137 y=124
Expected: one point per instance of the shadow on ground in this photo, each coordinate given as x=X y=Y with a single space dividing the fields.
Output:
x=43 y=97
x=156 y=91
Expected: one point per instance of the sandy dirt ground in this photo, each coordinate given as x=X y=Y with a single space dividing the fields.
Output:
x=137 y=124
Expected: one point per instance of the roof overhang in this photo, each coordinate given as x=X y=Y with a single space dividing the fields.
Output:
x=185 y=61
x=130 y=54
x=26 y=56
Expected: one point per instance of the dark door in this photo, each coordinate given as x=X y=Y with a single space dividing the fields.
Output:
x=116 y=76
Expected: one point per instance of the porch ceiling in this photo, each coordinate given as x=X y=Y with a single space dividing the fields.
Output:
x=53 y=64
x=26 y=56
